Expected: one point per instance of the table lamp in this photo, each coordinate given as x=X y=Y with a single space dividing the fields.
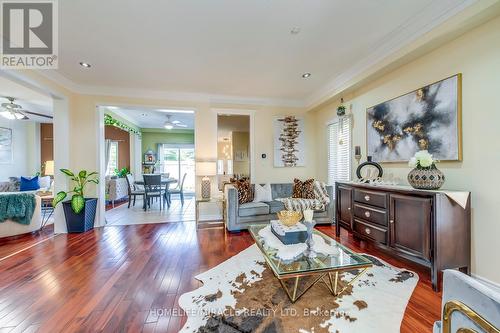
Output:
x=205 y=170
x=49 y=168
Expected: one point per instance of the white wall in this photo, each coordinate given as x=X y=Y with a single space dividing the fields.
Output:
x=476 y=55
x=25 y=149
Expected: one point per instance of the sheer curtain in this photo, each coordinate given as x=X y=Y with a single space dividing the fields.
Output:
x=107 y=148
x=161 y=157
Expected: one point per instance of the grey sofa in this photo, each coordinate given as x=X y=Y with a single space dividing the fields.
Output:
x=460 y=292
x=238 y=217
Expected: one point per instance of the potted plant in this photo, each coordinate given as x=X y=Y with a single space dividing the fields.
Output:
x=121 y=173
x=425 y=175
x=79 y=211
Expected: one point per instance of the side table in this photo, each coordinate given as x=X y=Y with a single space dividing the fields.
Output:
x=216 y=207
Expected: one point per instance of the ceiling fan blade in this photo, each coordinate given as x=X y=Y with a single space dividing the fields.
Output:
x=181 y=125
x=176 y=122
x=38 y=114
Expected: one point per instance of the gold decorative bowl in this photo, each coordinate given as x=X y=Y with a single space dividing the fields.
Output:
x=289 y=217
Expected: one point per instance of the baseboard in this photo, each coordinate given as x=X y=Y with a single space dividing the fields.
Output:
x=487 y=282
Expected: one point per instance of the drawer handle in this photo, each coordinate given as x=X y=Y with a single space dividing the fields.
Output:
x=391 y=221
x=348 y=208
x=368 y=231
x=367 y=197
x=367 y=214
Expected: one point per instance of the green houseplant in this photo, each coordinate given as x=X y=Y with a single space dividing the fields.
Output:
x=79 y=211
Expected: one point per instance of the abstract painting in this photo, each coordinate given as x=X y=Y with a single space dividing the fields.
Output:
x=425 y=119
x=289 y=142
x=5 y=145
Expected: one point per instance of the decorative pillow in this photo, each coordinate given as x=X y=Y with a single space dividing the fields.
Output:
x=308 y=189
x=44 y=182
x=303 y=189
x=297 y=188
x=263 y=193
x=29 y=184
x=244 y=191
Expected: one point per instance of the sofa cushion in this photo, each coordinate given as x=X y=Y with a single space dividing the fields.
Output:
x=275 y=206
x=282 y=190
x=253 y=208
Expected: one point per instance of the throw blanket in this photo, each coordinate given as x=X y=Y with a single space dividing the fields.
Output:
x=18 y=207
x=320 y=201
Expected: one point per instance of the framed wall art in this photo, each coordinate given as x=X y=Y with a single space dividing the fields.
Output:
x=289 y=142
x=428 y=118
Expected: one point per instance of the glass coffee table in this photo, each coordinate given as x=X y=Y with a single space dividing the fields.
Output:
x=300 y=274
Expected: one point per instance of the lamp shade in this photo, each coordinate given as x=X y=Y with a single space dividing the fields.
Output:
x=49 y=168
x=206 y=168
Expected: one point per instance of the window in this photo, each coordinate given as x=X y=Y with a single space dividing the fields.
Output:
x=113 y=158
x=339 y=150
x=177 y=161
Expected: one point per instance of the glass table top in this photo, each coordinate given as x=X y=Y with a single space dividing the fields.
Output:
x=340 y=258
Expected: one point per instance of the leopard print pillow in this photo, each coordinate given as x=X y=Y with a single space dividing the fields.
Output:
x=303 y=189
x=308 y=189
x=297 y=188
x=245 y=193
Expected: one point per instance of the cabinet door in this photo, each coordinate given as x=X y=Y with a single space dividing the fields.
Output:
x=410 y=225
x=345 y=206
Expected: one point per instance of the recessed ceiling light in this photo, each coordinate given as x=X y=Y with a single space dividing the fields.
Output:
x=295 y=30
x=306 y=75
x=85 y=64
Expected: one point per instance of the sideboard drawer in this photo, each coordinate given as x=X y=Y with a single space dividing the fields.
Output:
x=378 y=199
x=370 y=231
x=370 y=214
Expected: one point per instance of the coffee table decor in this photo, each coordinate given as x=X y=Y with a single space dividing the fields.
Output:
x=242 y=294
x=288 y=235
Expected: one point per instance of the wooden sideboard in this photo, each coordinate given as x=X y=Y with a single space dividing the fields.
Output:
x=426 y=227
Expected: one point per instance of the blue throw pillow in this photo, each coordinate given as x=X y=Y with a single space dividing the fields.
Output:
x=29 y=184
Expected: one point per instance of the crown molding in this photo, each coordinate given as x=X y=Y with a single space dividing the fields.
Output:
x=429 y=18
x=74 y=87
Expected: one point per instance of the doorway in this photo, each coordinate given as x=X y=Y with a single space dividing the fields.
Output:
x=142 y=143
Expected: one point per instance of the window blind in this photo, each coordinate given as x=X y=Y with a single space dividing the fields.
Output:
x=339 y=150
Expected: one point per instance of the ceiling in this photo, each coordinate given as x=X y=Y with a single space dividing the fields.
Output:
x=29 y=99
x=234 y=49
x=153 y=118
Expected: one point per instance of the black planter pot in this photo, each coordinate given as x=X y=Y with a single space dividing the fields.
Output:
x=83 y=221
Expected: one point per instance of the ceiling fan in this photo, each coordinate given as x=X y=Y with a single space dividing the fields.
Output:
x=15 y=111
x=169 y=124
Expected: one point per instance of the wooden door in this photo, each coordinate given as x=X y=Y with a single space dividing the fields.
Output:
x=410 y=225
x=344 y=201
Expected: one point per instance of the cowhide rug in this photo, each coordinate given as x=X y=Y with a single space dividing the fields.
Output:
x=242 y=295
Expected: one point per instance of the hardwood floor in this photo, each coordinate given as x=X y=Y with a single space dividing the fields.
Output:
x=111 y=278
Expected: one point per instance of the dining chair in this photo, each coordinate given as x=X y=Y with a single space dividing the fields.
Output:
x=133 y=191
x=153 y=189
x=179 y=190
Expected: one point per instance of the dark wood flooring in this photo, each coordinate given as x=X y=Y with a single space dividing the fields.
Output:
x=110 y=278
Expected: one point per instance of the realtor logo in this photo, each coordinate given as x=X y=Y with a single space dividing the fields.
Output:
x=29 y=35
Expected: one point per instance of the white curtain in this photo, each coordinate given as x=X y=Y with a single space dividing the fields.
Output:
x=159 y=153
x=107 y=148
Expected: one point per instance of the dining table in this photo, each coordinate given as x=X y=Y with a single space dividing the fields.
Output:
x=164 y=182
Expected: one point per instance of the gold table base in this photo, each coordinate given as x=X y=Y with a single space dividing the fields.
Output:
x=330 y=279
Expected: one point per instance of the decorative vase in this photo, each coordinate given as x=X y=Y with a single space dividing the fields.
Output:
x=426 y=178
x=309 y=252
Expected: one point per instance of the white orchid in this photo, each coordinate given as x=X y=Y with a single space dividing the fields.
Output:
x=422 y=159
